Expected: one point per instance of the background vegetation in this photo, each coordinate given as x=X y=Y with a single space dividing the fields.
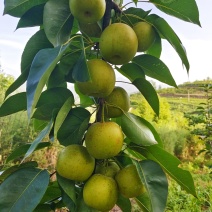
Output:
x=182 y=125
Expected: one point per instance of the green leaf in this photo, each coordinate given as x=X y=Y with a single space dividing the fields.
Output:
x=14 y=104
x=143 y=202
x=124 y=203
x=57 y=79
x=57 y=21
x=67 y=64
x=50 y=100
x=42 y=66
x=156 y=48
x=40 y=137
x=37 y=42
x=39 y=125
x=132 y=71
x=17 y=83
x=80 y=71
x=14 y=168
x=155 y=68
x=33 y=17
x=137 y=130
x=155 y=182
x=62 y=114
x=17 y=8
x=168 y=33
x=185 y=10
x=20 y=151
x=148 y=91
x=169 y=163
x=133 y=15
x=68 y=187
x=53 y=192
x=28 y=186
x=85 y=101
x=74 y=126
x=54 y=95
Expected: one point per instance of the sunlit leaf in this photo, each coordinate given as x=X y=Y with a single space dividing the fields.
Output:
x=17 y=8
x=185 y=10
x=74 y=126
x=28 y=186
x=155 y=68
x=57 y=21
x=168 y=33
x=42 y=66
x=133 y=15
x=155 y=182
x=62 y=114
x=85 y=101
x=14 y=104
x=68 y=187
x=124 y=203
x=39 y=138
x=33 y=17
x=132 y=71
x=14 y=168
x=21 y=151
x=170 y=165
x=80 y=71
x=136 y=130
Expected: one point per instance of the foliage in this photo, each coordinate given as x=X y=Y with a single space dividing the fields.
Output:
x=56 y=56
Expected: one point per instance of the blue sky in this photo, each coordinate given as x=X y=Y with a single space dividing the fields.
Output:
x=197 y=41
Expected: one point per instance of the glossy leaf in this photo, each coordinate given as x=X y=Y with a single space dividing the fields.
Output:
x=57 y=79
x=148 y=91
x=57 y=21
x=74 y=126
x=132 y=71
x=6 y=173
x=170 y=165
x=54 y=95
x=53 y=192
x=133 y=15
x=37 y=42
x=67 y=64
x=17 y=83
x=42 y=66
x=185 y=10
x=17 y=8
x=124 y=203
x=33 y=17
x=155 y=182
x=168 y=33
x=62 y=114
x=136 y=130
x=80 y=70
x=156 y=48
x=143 y=202
x=155 y=68
x=68 y=187
x=21 y=150
x=28 y=186
x=14 y=104
x=85 y=101
x=38 y=140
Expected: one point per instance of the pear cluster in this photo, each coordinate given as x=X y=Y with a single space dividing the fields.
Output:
x=91 y=164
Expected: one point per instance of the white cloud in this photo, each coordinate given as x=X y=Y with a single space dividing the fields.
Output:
x=10 y=43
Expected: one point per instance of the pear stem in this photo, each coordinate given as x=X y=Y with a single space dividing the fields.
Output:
x=109 y=6
x=100 y=111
